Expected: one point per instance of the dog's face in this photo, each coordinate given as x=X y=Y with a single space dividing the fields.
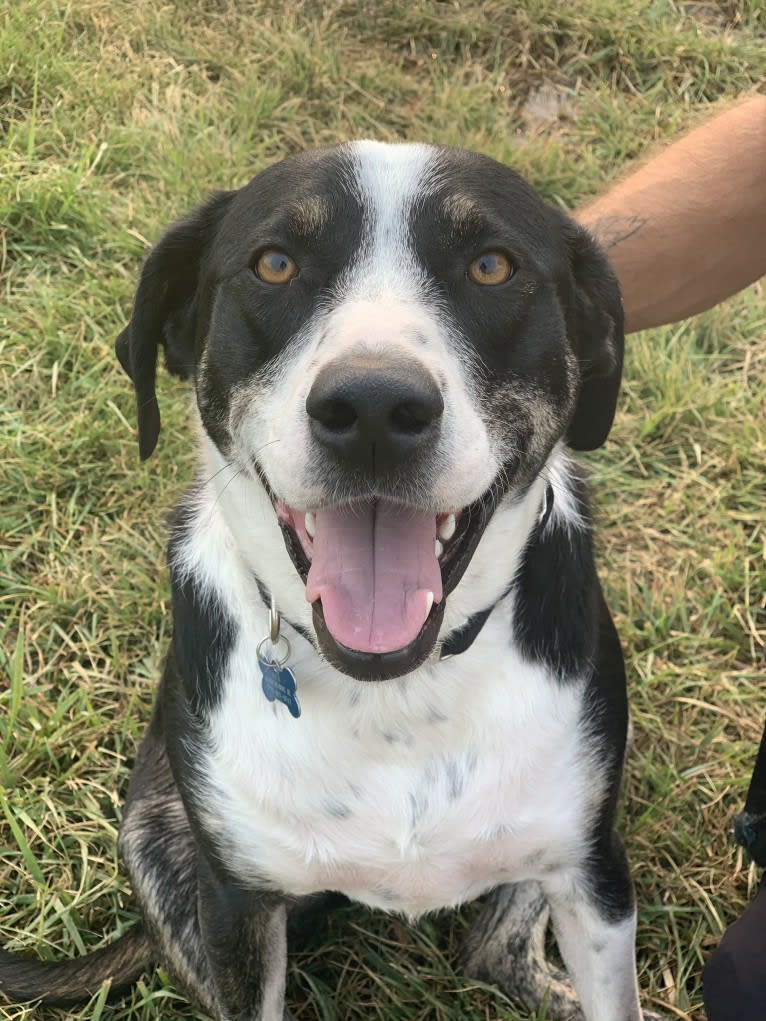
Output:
x=390 y=339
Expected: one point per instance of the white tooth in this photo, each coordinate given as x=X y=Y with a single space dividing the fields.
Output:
x=310 y=523
x=447 y=527
x=429 y=602
x=438 y=549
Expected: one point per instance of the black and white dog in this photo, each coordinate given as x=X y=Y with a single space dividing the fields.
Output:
x=393 y=674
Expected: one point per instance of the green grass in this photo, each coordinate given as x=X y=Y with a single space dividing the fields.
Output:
x=116 y=117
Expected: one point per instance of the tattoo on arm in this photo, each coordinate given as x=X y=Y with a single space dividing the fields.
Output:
x=611 y=230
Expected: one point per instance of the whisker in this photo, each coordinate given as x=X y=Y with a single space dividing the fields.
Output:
x=268 y=443
x=229 y=464
x=228 y=483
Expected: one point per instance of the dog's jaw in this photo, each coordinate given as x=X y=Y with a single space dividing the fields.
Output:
x=379 y=630
x=258 y=538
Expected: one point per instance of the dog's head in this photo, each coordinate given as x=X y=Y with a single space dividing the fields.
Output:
x=389 y=339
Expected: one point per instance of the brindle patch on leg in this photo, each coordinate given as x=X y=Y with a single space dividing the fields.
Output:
x=158 y=848
x=506 y=947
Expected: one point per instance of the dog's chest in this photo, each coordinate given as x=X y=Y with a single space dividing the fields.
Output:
x=408 y=795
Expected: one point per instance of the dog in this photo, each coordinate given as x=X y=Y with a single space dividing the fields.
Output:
x=393 y=675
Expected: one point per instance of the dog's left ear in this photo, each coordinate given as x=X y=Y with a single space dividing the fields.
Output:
x=594 y=320
x=165 y=311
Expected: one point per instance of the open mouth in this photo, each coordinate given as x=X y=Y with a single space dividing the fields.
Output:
x=377 y=574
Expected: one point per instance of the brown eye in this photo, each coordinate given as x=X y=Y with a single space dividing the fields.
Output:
x=275 y=267
x=491 y=268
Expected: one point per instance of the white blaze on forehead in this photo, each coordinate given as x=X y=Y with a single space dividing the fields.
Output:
x=387 y=304
x=390 y=180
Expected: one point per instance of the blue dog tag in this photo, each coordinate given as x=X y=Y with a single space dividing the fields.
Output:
x=278 y=683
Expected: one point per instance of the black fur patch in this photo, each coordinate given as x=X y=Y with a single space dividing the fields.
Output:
x=557 y=596
x=561 y=295
x=605 y=716
x=203 y=632
x=250 y=322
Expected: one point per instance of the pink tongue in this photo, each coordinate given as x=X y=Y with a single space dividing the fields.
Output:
x=373 y=567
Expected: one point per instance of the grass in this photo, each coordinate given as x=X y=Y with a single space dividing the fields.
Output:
x=116 y=117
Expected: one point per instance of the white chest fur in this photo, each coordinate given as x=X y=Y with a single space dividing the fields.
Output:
x=407 y=795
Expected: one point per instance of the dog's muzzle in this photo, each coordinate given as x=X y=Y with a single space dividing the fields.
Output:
x=378 y=570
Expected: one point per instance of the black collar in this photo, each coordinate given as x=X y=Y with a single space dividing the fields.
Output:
x=462 y=638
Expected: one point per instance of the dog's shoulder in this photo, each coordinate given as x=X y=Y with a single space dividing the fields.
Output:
x=205 y=620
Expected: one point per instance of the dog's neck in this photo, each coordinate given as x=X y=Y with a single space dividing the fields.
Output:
x=462 y=638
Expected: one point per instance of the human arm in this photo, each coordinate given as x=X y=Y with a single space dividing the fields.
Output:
x=688 y=228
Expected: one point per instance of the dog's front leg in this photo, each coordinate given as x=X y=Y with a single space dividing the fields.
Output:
x=594 y=920
x=598 y=953
x=245 y=937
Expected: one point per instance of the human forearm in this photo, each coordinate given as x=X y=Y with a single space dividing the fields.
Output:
x=688 y=228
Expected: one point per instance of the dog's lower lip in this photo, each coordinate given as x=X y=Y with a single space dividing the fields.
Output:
x=364 y=666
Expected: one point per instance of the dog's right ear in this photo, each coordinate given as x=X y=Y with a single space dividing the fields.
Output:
x=165 y=311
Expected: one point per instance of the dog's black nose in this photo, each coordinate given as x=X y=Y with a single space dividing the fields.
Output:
x=375 y=414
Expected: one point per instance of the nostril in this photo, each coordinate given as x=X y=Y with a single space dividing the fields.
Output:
x=336 y=415
x=414 y=418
